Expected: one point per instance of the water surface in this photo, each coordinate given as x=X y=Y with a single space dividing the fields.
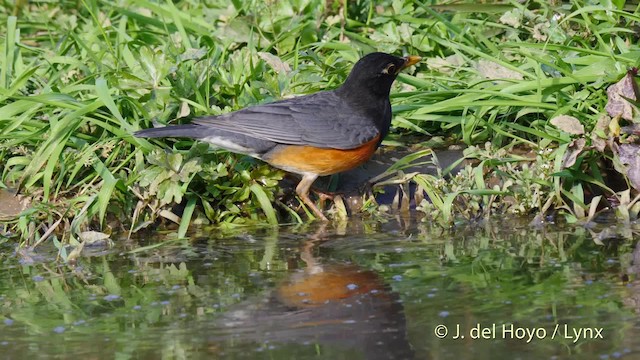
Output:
x=361 y=290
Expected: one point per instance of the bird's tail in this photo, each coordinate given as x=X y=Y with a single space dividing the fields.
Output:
x=235 y=142
x=188 y=131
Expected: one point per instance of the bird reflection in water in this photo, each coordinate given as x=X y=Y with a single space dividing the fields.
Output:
x=338 y=307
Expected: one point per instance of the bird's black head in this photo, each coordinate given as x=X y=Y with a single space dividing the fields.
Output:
x=374 y=73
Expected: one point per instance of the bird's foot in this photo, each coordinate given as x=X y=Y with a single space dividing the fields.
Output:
x=324 y=197
x=316 y=211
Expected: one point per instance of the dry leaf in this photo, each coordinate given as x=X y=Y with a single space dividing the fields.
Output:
x=512 y=18
x=491 y=70
x=633 y=129
x=614 y=126
x=184 y=110
x=445 y=65
x=575 y=148
x=275 y=62
x=617 y=104
x=568 y=124
x=541 y=30
x=93 y=238
x=11 y=204
x=599 y=133
x=629 y=155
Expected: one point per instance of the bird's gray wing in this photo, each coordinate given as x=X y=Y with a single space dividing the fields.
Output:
x=322 y=120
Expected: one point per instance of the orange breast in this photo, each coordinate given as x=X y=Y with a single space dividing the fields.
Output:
x=309 y=159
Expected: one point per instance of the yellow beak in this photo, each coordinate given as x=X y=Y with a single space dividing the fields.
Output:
x=410 y=60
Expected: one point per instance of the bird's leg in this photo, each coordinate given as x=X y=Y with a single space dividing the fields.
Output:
x=303 y=192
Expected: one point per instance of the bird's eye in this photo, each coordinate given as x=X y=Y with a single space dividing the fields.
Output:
x=390 y=69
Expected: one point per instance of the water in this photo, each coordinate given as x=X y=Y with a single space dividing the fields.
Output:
x=361 y=290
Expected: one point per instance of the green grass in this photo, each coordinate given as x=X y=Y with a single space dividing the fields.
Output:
x=77 y=78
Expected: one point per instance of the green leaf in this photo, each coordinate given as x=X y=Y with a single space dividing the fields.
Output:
x=265 y=203
x=186 y=217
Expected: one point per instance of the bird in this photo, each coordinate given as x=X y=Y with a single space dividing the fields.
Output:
x=313 y=135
